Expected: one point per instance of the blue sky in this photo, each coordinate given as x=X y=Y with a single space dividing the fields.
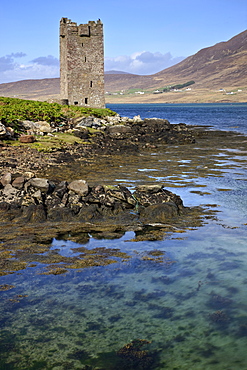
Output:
x=140 y=36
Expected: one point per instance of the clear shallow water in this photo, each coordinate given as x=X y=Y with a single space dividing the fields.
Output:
x=185 y=294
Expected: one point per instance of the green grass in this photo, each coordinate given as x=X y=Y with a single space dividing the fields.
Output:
x=49 y=143
x=13 y=110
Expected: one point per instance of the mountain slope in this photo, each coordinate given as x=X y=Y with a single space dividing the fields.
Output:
x=31 y=89
x=224 y=63
x=222 y=66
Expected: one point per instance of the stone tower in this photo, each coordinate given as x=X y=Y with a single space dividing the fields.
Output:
x=82 y=64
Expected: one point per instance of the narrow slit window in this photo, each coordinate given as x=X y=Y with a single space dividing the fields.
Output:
x=91 y=83
x=86 y=100
x=85 y=59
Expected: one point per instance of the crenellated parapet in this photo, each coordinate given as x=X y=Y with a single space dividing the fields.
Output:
x=82 y=63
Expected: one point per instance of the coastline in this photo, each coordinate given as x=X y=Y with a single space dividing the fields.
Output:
x=198 y=96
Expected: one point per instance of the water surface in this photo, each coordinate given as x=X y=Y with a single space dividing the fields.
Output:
x=185 y=293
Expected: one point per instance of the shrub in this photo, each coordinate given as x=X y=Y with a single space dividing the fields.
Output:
x=13 y=110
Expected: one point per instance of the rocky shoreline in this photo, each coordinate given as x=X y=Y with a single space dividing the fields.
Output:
x=92 y=136
x=28 y=198
x=46 y=195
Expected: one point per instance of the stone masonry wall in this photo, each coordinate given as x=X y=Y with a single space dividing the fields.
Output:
x=82 y=63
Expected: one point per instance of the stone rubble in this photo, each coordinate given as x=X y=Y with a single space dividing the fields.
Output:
x=26 y=198
x=115 y=126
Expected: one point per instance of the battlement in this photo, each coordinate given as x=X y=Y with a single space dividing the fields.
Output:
x=82 y=63
x=92 y=27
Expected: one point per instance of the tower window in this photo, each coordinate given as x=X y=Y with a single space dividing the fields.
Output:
x=75 y=102
x=85 y=59
x=86 y=100
x=91 y=83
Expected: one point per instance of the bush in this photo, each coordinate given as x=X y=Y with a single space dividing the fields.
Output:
x=178 y=86
x=13 y=110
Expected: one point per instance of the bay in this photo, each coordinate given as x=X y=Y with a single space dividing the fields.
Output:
x=177 y=302
x=224 y=116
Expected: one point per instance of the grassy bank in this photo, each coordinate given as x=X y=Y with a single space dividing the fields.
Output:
x=13 y=110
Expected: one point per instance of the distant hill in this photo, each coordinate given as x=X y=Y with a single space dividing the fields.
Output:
x=219 y=67
x=113 y=72
x=32 y=89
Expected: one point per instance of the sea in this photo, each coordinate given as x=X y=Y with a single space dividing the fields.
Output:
x=178 y=302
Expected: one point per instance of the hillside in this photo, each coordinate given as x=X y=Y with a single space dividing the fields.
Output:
x=223 y=64
x=31 y=89
x=219 y=72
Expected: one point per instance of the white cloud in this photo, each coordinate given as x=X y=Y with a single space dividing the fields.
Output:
x=50 y=60
x=143 y=62
x=41 y=67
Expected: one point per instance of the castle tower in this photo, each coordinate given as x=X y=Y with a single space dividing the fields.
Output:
x=82 y=63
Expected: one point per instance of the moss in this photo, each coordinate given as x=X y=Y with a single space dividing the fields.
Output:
x=55 y=271
x=156 y=253
x=4 y=287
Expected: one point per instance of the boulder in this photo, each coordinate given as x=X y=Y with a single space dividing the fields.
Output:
x=6 y=179
x=27 y=139
x=38 y=183
x=33 y=199
x=28 y=175
x=81 y=132
x=79 y=187
x=39 y=127
x=28 y=125
x=43 y=127
x=137 y=118
x=113 y=120
x=10 y=133
x=3 y=131
x=158 y=213
x=147 y=195
x=18 y=183
x=9 y=194
x=86 y=122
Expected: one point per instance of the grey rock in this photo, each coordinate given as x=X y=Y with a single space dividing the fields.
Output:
x=38 y=183
x=86 y=122
x=37 y=195
x=28 y=125
x=149 y=188
x=43 y=126
x=36 y=127
x=158 y=213
x=18 y=183
x=9 y=192
x=79 y=187
x=3 y=130
x=137 y=118
x=61 y=189
x=28 y=175
x=6 y=179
